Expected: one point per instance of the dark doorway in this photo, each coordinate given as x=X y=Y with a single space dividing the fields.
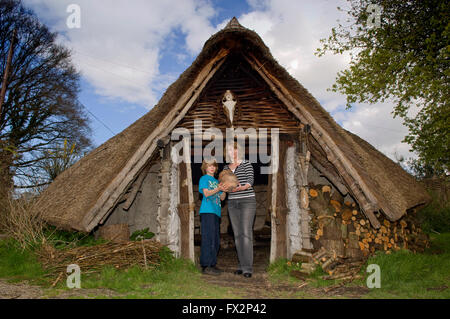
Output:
x=227 y=258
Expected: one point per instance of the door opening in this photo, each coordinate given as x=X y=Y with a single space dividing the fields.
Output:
x=227 y=258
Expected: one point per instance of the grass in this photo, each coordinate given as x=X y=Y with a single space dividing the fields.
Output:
x=17 y=264
x=408 y=275
x=279 y=270
x=174 y=278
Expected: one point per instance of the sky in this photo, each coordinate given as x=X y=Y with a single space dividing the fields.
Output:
x=129 y=51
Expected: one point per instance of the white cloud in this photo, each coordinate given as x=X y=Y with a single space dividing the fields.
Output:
x=375 y=124
x=292 y=30
x=118 y=47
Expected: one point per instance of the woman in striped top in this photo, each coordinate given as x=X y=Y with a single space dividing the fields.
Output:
x=242 y=210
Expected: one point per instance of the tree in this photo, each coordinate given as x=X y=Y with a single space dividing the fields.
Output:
x=59 y=160
x=41 y=107
x=402 y=54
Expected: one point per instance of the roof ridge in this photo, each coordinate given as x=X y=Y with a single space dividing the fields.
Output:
x=233 y=24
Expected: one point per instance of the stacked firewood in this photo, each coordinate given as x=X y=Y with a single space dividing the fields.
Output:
x=340 y=227
x=337 y=267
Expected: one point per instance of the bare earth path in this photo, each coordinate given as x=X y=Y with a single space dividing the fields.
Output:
x=24 y=290
x=259 y=286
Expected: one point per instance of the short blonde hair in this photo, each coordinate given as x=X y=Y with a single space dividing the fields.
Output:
x=235 y=146
x=208 y=162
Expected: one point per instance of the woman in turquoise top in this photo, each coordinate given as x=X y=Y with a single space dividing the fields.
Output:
x=210 y=210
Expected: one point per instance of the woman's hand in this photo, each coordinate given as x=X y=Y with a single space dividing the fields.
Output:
x=241 y=188
x=222 y=187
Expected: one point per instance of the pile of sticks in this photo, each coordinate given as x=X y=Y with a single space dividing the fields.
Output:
x=91 y=259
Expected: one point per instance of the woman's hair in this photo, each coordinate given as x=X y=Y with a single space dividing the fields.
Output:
x=235 y=146
x=208 y=162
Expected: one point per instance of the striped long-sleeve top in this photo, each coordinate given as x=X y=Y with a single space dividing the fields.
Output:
x=244 y=173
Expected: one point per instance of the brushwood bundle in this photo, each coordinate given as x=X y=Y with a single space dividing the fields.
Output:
x=91 y=259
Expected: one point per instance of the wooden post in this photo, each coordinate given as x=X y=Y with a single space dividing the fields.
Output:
x=164 y=195
x=186 y=205
x=281 y=209
x=183 y=211
x=278 y=207
x=273 y=197
x=304 y=159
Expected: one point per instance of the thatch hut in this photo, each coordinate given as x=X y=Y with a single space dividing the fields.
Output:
x=132 y=179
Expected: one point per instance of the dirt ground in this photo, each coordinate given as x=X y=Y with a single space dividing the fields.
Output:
x=26 y=291
x=259 y=286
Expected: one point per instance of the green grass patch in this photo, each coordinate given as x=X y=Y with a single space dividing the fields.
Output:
x=174 y=278
x=280 y=269
x=408 y=275
x=17 y=264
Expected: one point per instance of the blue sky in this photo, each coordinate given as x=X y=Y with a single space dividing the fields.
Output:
x=129 y=52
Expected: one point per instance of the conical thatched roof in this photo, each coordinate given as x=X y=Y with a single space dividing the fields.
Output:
x=85 y=193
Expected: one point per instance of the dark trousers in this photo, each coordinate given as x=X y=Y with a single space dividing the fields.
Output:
x=242 y=216
x=210 y=239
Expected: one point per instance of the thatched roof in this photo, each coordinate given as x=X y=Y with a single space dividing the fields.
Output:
x=74 y=195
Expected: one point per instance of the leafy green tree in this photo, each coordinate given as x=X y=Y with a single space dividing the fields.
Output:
x=400 y=51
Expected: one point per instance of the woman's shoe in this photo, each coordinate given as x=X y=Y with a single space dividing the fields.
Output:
x=247 y=275
x=238 y=272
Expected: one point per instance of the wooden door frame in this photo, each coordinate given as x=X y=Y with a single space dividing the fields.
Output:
x=279 y=241
x=276 y=197
x=186 y=205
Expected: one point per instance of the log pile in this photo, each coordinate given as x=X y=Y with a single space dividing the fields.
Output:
x=341 y=228
x=337 y=267
x=91 y=259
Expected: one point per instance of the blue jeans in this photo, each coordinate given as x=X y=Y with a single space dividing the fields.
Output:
x=210 y=243
x=242 y=216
